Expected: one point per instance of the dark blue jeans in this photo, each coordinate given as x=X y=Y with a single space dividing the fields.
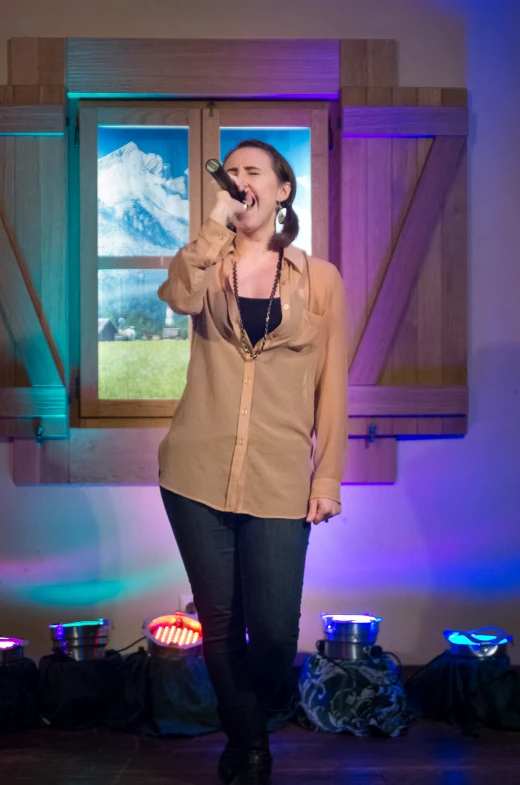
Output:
x=244 y=572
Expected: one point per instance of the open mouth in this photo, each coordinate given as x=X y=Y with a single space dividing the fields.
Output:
x=251 y=202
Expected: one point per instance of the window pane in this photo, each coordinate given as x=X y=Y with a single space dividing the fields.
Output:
x=295 y=145
x=143 y=205
x=143 y=346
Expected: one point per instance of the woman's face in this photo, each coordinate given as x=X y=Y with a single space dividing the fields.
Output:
x=252 y=170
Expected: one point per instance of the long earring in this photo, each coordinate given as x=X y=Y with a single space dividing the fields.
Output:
x=282 y=211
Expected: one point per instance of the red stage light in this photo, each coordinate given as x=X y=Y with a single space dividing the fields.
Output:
x=174 y=633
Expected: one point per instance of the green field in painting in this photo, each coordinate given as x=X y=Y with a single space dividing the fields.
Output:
x=142 y=369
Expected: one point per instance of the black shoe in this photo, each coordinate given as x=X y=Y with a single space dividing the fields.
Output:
x=246 y=729
x=256 y=769
x=231 y=761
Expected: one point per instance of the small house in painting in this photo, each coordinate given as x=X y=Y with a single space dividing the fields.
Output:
x=170 y=332
x=106 y=330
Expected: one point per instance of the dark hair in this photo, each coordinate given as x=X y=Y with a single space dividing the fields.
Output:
x=285 y=174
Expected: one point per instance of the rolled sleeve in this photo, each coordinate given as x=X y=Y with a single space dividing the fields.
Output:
x=191 y=269
x=331 y=420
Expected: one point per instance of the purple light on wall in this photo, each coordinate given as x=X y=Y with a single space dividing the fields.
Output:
x=10 y=643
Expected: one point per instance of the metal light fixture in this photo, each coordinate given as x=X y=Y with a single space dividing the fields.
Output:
x=348 y=636
x=483 y=643
x=173 y=635
x=81 y=640
x=11 y=650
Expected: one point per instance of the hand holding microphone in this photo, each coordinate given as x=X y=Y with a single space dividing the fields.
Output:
x=230 y=200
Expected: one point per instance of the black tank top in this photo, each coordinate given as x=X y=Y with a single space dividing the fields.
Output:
x=254 y=312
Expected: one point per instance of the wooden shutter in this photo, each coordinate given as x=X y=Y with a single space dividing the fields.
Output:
x=403 y=255
x=33 y=296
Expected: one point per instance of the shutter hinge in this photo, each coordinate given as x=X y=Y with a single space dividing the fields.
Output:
x=76 y=132
x=77 y=390
x=372 y=430
x=331 y=137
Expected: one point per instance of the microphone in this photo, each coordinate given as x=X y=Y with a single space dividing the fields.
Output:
x=217 y=171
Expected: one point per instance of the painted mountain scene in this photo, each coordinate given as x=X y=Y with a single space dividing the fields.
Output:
x=143 y=206
x=143 y=210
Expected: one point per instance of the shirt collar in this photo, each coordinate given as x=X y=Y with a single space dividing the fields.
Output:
x=295 y=256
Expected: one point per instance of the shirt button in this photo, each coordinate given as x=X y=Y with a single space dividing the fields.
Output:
x=248 y=381
x=285 y=307
x=221 y=237
x=241 y=441
x=244 y=411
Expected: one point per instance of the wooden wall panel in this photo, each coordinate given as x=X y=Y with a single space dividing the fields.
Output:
x=429 y=291
x=454 y=285
x=32 y=119
x=7 y=356
x=22 y=311
x=27 y=221
x=368 y=62
x=32 y=402
x=53 y=240
x=201 y=68
x=418 y=426
x=353 y=237
x=371 y=462
x=51 y=61
x=13 y=371
x=36 y=73
x=404 y=119
x=7 y=346
x=7 y=177
x=402 y=363
x=454 y=96
x=35 y=464
x=334 y=195
x=32 y=204
x=23 y=61
x=408 y=255
x=26 y=95
x=110 y=457
x=36 y=61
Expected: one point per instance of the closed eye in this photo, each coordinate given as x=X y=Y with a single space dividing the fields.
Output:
x=249 y=170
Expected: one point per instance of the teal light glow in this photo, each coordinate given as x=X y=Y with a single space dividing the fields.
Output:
x=127 y=126
x=76 y=96
x=29 y=133
x=79 y=623
x=97 y=591
x=462 y=639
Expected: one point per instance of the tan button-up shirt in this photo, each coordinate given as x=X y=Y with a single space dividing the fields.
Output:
x=257 y=436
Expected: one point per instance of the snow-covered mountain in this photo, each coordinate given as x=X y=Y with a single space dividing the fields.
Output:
x=142 y=209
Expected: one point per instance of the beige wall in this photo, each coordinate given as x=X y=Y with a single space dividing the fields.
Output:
x=439 y=549
x=431 y=36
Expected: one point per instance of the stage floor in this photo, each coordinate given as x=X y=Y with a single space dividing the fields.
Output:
x=430 y=754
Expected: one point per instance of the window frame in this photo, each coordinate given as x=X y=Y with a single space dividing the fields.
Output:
x=204 y=122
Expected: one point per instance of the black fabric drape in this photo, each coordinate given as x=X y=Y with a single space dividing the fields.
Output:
x=74 y=695
x=468 y=692
x=18 y=696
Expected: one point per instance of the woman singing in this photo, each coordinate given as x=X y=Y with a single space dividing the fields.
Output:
x=240 y=480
